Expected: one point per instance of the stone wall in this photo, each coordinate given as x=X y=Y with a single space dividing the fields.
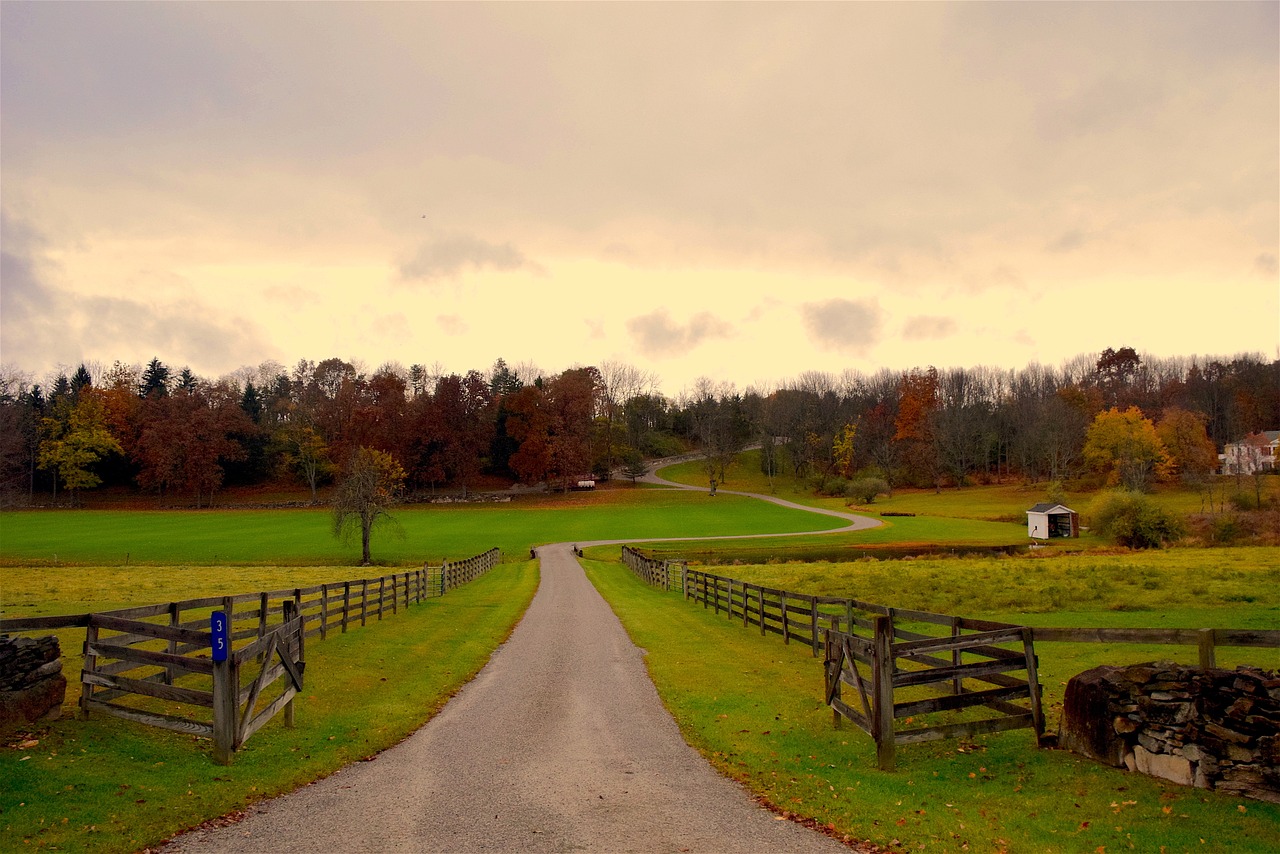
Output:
x=1214 y=729
x=32 y=687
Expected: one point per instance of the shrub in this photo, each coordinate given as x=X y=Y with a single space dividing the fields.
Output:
x=1133 y=520
x=1055 y=493
x=865 y=489
x=1244 y=501
x=831 y=486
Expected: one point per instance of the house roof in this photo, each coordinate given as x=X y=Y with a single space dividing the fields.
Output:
x=1050 y=508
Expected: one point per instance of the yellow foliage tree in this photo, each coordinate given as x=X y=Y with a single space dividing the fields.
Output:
x=1125 y=445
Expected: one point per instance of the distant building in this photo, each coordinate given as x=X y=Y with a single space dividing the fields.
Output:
x=1256 y=452
x=1052 y=520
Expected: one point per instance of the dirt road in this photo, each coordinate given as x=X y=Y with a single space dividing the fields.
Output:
x=560 y=744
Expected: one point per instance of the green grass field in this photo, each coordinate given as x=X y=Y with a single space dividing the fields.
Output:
x=751 y=705
x=115 y=786
x=426 y=533
x=754 y=708
x=996 y=502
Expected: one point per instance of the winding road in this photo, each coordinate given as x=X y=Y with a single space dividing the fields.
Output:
x=559 y=744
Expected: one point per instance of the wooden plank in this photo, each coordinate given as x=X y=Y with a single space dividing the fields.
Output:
x=959 y=642
x=882 y=678
x=906 y=678
x=154 y=719
x=265 y=716
x=138 y=612
x=1178 y=637
x=117 y=624
x=36 y=624
x=964 y=730
x=146 y=656
x=147 y=688
x=964 y=700
x=849 y=713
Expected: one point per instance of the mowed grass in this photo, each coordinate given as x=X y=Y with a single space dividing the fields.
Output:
x=1007 y=502
x=425 y=533
x=753 y=706
x=115 y=786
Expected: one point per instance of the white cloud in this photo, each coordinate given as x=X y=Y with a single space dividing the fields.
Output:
x=851 y=326
x=657 y=335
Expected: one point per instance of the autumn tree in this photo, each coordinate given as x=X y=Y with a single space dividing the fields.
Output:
x=187 y=437
x=75 y=439
x=1125 y=445
x=370 y=486
x=1192 y=454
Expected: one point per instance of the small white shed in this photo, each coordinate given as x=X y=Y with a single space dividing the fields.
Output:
x=1052 y=520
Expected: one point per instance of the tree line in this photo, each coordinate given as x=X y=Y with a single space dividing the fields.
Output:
x=1119 y=415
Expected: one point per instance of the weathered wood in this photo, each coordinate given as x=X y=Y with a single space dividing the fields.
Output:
x=846 y=711
x=35 y=624
x=144 y=656
x=151 y=630
x=906 y=678
x=1206 y=649
x=963 y=700
x=964 y=730
x=157 y=689
x=155 y=719
x=882 y=694
x=225 y=710
x=961 y=642
x=89 y=666
x=267 y=713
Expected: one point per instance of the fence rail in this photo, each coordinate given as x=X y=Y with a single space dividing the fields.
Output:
x=969 y=663
x=134 y=657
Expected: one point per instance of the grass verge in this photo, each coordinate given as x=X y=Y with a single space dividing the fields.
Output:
x=107 y=785
x=753 y=707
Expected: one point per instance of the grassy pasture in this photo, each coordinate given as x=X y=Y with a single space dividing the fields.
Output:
x=753 y=706
x=426 y=533
x=1006 y=502
x=114 y=786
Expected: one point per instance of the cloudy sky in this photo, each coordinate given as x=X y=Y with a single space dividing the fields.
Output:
x=741 y=191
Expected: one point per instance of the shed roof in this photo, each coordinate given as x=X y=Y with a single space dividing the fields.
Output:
x=1050 y=508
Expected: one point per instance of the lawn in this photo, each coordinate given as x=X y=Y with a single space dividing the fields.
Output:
x=115 y=786
x=753 y=707
x=995 y=502
x=423 y=533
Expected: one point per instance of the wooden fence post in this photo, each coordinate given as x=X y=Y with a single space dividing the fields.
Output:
x=1033 y=684
x=882 y=693
x=813 y=623
x=364 y=601
x=1206 y=640
x=346 y=604
x=175 y=620
x=90 y=666
x=324 y=611
x=957 y=684
x=225 y=697
x=286 y=646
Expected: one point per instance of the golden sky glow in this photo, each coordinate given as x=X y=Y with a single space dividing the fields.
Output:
x=741 y=191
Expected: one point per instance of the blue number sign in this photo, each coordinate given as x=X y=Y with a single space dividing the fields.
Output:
x=218 y=625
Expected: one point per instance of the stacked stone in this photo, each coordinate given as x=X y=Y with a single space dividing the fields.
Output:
x=1214 y=729
x=32 y=687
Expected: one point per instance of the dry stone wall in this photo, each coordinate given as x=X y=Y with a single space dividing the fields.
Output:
x=1213 y=729
x=32 y=686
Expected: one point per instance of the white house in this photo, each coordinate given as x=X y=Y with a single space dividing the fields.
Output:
x=1254 y=453
x=1052 y=520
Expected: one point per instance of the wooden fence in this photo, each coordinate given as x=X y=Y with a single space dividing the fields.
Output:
x=461 y=571
x=139 y=662
x=964 y=666
x=655 y=572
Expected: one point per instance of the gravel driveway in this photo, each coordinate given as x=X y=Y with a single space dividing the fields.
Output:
x=559 y=744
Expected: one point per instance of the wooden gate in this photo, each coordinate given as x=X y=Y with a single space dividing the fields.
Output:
x=124 y=678
x=965 y=684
